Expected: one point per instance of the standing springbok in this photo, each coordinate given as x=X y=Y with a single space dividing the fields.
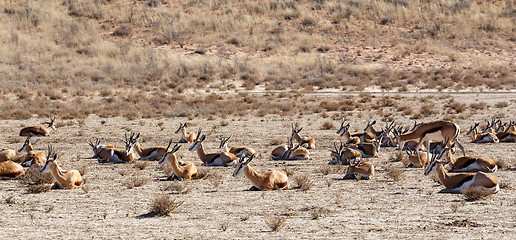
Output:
x=183 y=170
x=289 y=152
x=211 y=159
x=343 y=155
x=306 y=142
x=39 y=130
x=151 y=153
x=457 y=182
x=69 y=179
x=186 y=136
x=271 y=180
x=477 y=137
x=360 y=170
x=432 y=131
x=7 y=154
x=238 y=151
x=32 y=156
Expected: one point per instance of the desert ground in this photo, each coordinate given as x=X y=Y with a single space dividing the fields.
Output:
x=219 y=205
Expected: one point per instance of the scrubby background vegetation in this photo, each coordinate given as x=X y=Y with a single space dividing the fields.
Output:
x=147 y=58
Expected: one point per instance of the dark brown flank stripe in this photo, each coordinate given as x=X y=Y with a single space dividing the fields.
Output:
x=468 y=178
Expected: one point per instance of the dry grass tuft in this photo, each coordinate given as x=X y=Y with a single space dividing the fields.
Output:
x=10 y=200
x=398 y=156
x=164 y=205
x=83 y=169
x=33 y=176
x=475 y=194
x=38 y=188
x=224 y=225
x=303 y=182
x=203 y=173
x=178 y=187
x=141 y=164
x=318 y=212
x=276 y=142
x=328 y=126
x=136 y=181
x=395 y=173
x=502 y=165
x=275 y=224
x=325 y=170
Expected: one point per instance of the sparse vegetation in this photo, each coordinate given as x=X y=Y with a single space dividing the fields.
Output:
x=395 y=173
x=275 y=224
x=136 y=181
x=475 y=194
x=164 y=205
x=303 y=182
x=178 y=187
x=141 y=164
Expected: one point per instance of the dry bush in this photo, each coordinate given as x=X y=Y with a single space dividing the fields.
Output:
x=501 y=105
x=474 y=194
x=125 y=30
x=10 y=200
x=33 y=176
x=178 y=187
x=203 y=173
x=38 y=188
x=303 y=182
x=141 y=164
x=325 y=170
x=318 y=212
x=275 y=224
x=164 y=205
x=289 y=171
x=501 y=164
x=398 y=156
x=136 y=181
x=328 y=125
x=83 y=169
x=224 y=225
x=395 y=173
x=275 y=142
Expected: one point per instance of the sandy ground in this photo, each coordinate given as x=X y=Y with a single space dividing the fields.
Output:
x=381 y=208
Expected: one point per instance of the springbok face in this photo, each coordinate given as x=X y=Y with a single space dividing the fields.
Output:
x=198 y=140
x=129 y=143
x=369 y=124
x=27 y=144
x=50 y=161
x=95 y=146
x=343 y=127
x=242 y=164
x=473 y=127
x=431 y=169
x=167 y=153
x=181 y=126
x=224 y=141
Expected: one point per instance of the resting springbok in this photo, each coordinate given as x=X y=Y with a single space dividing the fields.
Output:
x=487 y=137
x=186 y=136
x=306 y=142
x=10 y=169
x=39 y=130
x=508 y=134
x=351 y=137
x=238 y=151
x=289 y=152
x=468 y=163
x=414 y=160
x=183 y=170
x=32 y=156
x=151 y=153
x=271 y=180
x=101 y=152
x=124 y=155
x=7 y=154
x=68 y=179
x=360 y=170
x=343 y=155
x=211 y=159
x=432 y=131
x=368 y=149
x=457 y=182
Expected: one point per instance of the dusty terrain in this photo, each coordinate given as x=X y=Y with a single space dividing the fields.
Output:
x=381 y=208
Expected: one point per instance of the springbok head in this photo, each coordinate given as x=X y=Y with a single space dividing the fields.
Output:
x=198 y=140
x=242 y=164
x=167 y=152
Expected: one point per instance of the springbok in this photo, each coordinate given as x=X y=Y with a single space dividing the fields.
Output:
x=186 y=136
x=360 y=170
x=69 y=179
x=10 y=169
x=457 y=182
x=183 y=170
x=211 y=159
x=151 y=153
x=477 y=137
x=414 y=160
x=351 y=137
x=238 y=151
x=432 y=131
x=343 y=155
x=271 y=180
x=39 y=130
x=368 y=149
x=101 y=152
x=125 y=155
x=289 y=152
x=508 y=134
x=468 y=163
x=7 y=154
x=32 y=156
x=306 y=142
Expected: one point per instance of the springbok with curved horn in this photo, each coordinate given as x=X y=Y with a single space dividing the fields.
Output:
x=508 y=134
x=351 y=137
x=414 y=160
x=457 y=182
x=126 y=155
x=69 y=179
x=467 y=163
x=211 y=159
x=151 y=153
x=368 y=149
x=289 y=152
x=186 y=136
x=360 y=170
x=343 y=155
x=39 y=130
x=183 y=170
x=271 y=180
x=32 y=156
x=101 y=152
x=306 y=142
x=487 y=137
x=7 y=154
x=433 y=131
x=238 y=151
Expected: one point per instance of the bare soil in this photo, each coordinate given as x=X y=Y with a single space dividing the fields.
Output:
x=381 y=208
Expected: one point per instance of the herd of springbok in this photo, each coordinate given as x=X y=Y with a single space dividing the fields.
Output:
x=427 y=144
